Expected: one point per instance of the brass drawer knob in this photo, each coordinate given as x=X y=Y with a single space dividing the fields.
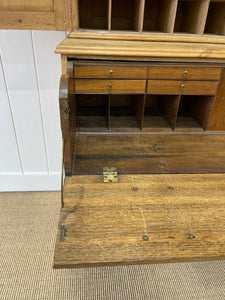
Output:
x=111 y=72
x=182 y=87
x=110 y=86
x=185 y=73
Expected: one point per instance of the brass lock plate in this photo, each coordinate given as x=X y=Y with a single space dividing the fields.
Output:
x=66 y=111
x=110 y=174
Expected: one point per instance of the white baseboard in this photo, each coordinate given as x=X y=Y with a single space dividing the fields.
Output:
x=30 y=182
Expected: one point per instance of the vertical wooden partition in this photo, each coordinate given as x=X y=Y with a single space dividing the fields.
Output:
x=159 y=15
x=169 y=106
x=191 y=16
x=216 y=18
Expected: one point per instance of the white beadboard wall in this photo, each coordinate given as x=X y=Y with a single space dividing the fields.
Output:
x=30 y=135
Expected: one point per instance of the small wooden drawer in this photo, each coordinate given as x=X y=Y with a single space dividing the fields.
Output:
x=185 y=73
x=110 y=86
x=110 y=72
x=175 y=87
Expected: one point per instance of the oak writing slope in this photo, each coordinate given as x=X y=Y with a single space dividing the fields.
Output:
x=142 y=104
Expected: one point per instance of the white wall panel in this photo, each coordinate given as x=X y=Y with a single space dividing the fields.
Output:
x=18 y=64
x=30 y=125
x=48 y=66
x=9 y=154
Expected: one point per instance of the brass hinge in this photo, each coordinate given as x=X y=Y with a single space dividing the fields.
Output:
x=63 y=233
x=66 y=110
x=110 y=174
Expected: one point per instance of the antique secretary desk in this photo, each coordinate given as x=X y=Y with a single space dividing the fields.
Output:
x=142 y=104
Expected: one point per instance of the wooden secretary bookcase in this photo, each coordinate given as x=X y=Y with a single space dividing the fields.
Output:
x=142 y=104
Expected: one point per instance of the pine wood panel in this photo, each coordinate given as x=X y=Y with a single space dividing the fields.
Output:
x=27 y=5
x=45 y=15
x=150 y=153
x=159 y=37
x=107 y=223
x=95 y=48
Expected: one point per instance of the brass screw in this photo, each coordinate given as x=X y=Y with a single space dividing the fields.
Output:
x=145 y=237
x=190 y=235
x=170 y=187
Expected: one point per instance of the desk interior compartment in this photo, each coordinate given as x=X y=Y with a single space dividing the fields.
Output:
x=194 y=112
x=126 y=112
x=93 y=113
x=93 y=14
x=127 y=15
x=215 y=23
x=159 y=16
x=191 y=16
x=160 y=112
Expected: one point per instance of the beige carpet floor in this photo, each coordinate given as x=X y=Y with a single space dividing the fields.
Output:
x=28 y=232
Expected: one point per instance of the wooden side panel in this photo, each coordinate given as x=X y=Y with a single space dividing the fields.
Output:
x=166 y=218
x=217 y=119
x=68 y=116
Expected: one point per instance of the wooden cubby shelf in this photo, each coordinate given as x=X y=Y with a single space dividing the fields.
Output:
x=150 y=113
x=93 y=14
x=153 y=16
x=215 y=23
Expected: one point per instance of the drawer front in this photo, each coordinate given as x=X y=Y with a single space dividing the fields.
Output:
x=185 y=73
x=110 y=72
x=175 y=87
x=110 y=86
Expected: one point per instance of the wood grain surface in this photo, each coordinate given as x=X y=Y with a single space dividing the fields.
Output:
x=176 y=87
x=150 y=153
x=95 y=47
x=86 y=86
x=117 y=224
x=217 y=119
x=110 y=71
